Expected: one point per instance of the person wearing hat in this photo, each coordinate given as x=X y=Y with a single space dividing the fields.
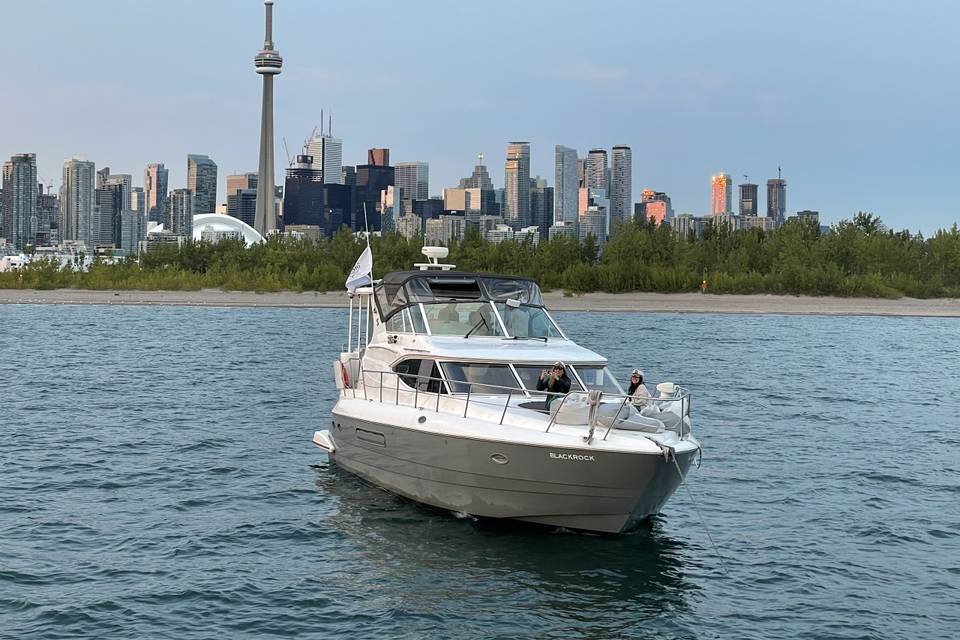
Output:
x=555 y=382
x=637 y=391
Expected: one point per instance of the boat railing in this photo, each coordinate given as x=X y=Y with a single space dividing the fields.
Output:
x=400 y=393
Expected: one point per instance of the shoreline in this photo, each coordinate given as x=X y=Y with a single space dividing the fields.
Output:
x=754 y=304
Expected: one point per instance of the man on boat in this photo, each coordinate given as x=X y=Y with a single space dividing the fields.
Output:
x=555 y=382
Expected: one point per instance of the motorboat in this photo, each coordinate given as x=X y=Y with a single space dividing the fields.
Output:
x=439 y=402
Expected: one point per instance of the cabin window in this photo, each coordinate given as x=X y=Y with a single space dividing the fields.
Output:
x=598 y=378
x=479 y=378
x=420 y=374
x=530 y=374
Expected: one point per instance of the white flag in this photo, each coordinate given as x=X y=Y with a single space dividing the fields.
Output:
x=361 y=272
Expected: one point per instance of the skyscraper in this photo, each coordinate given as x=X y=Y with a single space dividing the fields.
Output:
x=308 y=201
x=77 y=200
x=268 y=63
x=566 y=183
x=20 y=200
x=748 y=199
x=327 y=153
x=48 y=219
x=372 y=179
x=516 y=195
x=202 y=180
x=106 y=223
x=483 y=198
x=654 y=207
x=621 y=183
x=379 y=157
x=721 y=194
x=541 y=205
x=138 y=201
x=179 y=219
x=413 y=179
x=595 y=170
x=777 y=198
x=155 y=186
x=242 y=197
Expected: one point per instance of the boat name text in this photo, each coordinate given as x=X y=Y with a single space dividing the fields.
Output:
x=570 y=456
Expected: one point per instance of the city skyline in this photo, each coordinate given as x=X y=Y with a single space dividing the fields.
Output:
x=683 y=114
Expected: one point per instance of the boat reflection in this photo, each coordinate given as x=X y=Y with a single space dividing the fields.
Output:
x=601 y=582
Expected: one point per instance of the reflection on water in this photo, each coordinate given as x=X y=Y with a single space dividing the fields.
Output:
x=579 y=578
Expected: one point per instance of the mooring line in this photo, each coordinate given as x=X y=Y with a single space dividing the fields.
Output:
x=696 y=507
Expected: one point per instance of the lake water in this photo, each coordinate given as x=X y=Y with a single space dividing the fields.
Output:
x=157 y=480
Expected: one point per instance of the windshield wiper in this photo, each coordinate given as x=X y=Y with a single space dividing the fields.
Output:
x=544 y=338
x=483 y=321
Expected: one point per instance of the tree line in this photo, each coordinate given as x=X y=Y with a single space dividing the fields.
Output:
x=856 y=258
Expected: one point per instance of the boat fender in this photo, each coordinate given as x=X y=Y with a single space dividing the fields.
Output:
x=346 y=376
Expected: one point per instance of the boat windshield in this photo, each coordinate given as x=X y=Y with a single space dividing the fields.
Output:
x=524 y=321
x=402 y=289
x=461 y=318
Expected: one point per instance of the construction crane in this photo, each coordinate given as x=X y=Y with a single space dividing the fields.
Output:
x=287 y=151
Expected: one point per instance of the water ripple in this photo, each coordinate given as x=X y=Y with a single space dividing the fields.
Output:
x=158 y=481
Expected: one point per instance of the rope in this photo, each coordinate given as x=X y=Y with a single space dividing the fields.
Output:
x=683 y=481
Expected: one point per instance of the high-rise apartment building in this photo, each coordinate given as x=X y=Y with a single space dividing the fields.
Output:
x=19 y=223
x=77 y=201
x=155 y=185
x=413 y=179
x=748 y=199
x=654 y=207
x=179 y=219
x=721 y=194
x=516 y=193
x=595 y=170
x=621 y=183
x=48 y=219
x=566 y=184
x=777 y=198
x=327 y=153
x=105 y=228
x=202 y=180
x=541 y=206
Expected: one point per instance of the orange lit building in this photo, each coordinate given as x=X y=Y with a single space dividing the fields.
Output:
x=721 y=192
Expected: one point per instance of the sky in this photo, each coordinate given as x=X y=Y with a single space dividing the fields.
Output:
x=857 y=101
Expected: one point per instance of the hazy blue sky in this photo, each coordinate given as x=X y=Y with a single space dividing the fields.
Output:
x=857 y=101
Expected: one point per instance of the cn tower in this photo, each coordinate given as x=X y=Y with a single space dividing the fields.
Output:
x=268 y=63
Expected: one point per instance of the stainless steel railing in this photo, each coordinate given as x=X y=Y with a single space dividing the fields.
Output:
x=471 y=396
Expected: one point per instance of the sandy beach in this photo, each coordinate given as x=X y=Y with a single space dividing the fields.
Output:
x=556 y=300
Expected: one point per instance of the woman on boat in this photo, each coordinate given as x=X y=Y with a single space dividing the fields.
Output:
x=637 y=391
